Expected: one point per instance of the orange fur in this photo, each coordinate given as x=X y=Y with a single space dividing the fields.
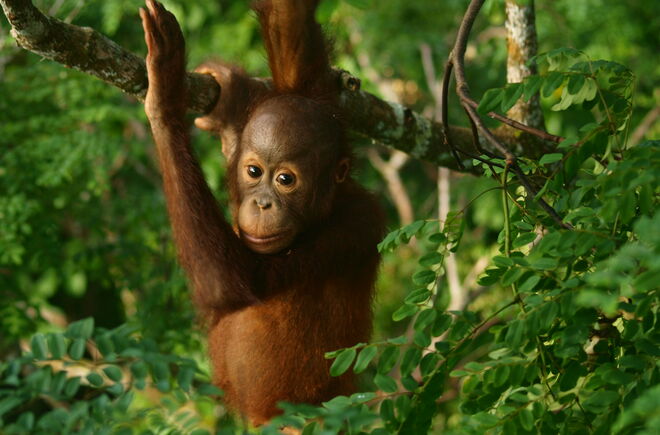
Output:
x=271 y=317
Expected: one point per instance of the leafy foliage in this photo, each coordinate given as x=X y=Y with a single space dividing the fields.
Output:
x=572 y=348
x=94 y=377
x=560 y=336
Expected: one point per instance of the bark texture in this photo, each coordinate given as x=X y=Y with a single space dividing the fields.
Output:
x=522 y=45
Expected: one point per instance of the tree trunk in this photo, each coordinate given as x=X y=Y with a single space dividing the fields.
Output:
x=522 y=45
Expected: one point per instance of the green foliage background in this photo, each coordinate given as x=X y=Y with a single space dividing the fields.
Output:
x=559 y=335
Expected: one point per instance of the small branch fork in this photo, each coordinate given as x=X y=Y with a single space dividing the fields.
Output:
x=456 y=62
x=519 y=125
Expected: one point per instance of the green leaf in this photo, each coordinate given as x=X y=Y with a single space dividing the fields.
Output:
x=9 y=403
x=532 y=85
x=414 y=228
x=71 y=387
x=550 y=158
x=490 y=101
x=388 y=242
x=185 y=377
x=113 y=372
x=81 y=329
x=474 y=366
x=523 y=225
x=95 y=379
x=519 y=397
x=544 y=263
x=77 y=348
x=431 y=259
x=524 y=239
x=600 y=401
x=501 y=261
x=342 y=362
x=364 y=358
x=402 y=403
x=401 y=339
x=388 y=359
x=575 y=84
x=409 y=383
x=38 y=346
x=385 y=383
x=424 y=277
x=548 y=314
x=160 y=370
x=511 y=276
x=311 y=428
x=115 y=389
x=551 y=83
x=404 y=311
x=57 y=345
x=502 y=375
x=333 y=354
x=164 y=386
x=410 y=360
x=422 y=339
x=209 y=390
x=529 y=284
x=512 y=93
x=441 y=324
x=437 y=238
x=428 y=363
x=418 y=296
x=139 y=369
x=589 y=91
x=26 y=421
x=644 y=408
x=526 y=419
x=105 y=345
x=425 y=318
x=514 y=334
x=387 y=411
x=565 y=102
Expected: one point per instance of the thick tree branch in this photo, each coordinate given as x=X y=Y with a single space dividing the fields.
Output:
x=84 y=49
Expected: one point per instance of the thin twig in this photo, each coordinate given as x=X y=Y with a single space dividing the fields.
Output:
x=446 y=77
x=519 y=126
x=544 y=205
x=390 y=171
x=644 y=126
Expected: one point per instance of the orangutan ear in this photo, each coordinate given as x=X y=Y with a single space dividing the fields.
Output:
x=343 y=168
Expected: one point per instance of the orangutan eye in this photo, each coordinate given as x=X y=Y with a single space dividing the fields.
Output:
x=285 y=179
x=254 y=171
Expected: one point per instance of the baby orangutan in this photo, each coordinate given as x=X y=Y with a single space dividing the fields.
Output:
x=293 y=277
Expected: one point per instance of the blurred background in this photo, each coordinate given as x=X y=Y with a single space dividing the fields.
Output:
x=83 y=228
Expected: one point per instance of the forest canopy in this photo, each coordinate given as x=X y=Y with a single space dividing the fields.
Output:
x=518 y=292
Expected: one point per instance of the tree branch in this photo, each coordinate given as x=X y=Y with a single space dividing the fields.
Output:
x=389 y=169
x=457 y=58
x=519 y=126
x=86 y=50
x=644 y=126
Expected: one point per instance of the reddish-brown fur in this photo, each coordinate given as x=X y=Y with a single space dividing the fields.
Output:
x=271 y=316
